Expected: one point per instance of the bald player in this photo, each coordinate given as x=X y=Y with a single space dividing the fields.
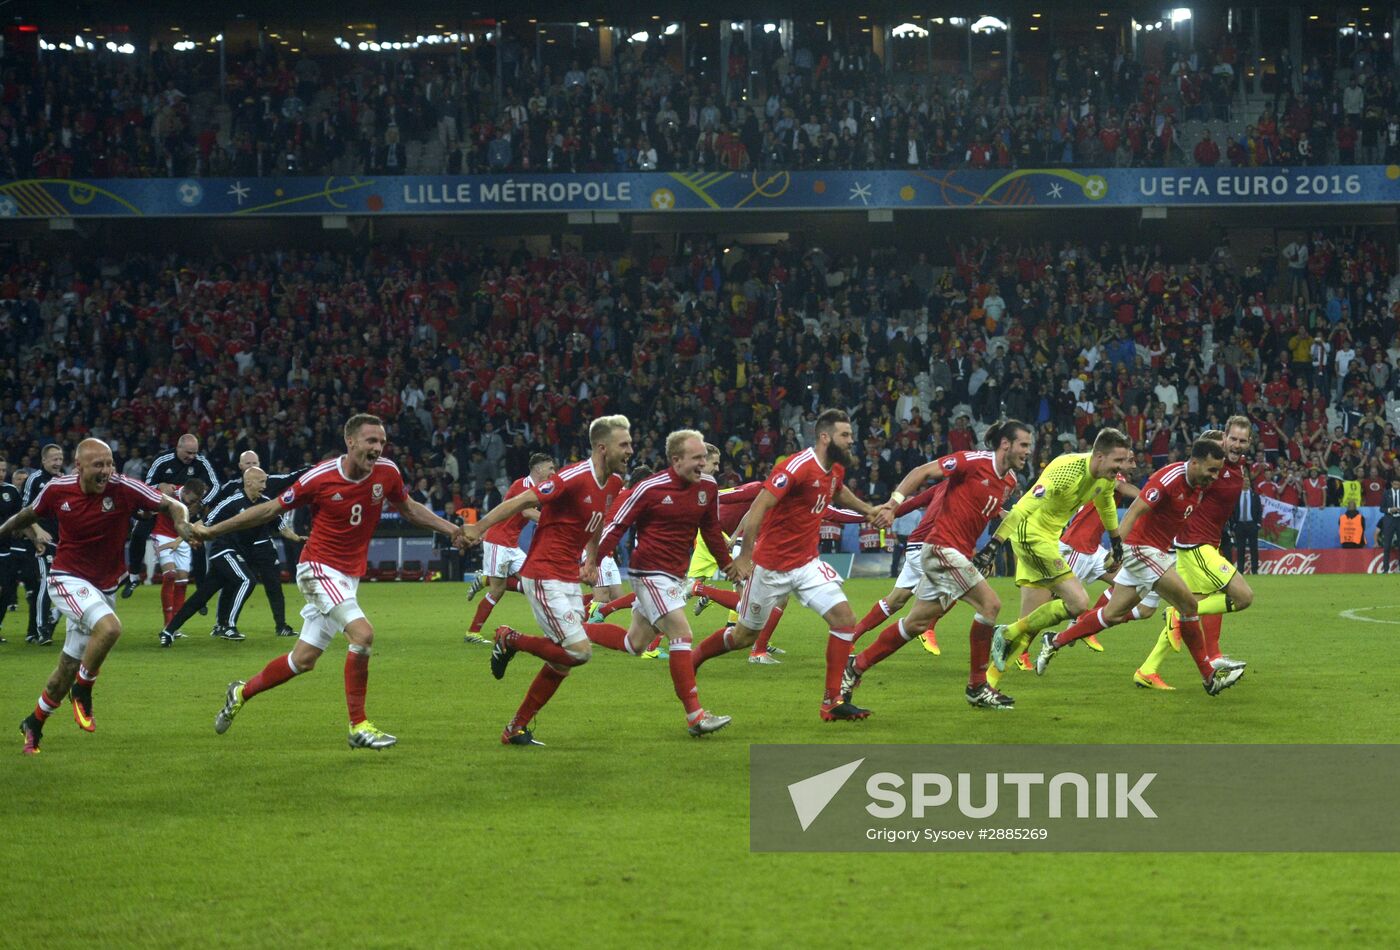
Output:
x=93 y=508
x=172 y=468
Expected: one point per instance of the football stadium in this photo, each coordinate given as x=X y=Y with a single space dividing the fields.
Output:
x=797 y=473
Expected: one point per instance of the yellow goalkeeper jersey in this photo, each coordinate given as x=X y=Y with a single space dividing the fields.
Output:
x=1061 y=490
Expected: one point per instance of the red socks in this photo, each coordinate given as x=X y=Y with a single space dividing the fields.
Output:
x=683 y=676
x=838 y=648
x=761 y=644
x=622 y=603
x=275 y=673
x=546 y=681
x=167 y=596
x=483 y=610
x=544 y=648
x=873 y=619
x=728 y=599
x=712 y=646
x=45 y=707
x=889 y=640
x=1210 y=625
x=1195 y=641
x=356 y=684
x=980 y=639
x=1103 y=599
x=608 y=635
x=1091 y=622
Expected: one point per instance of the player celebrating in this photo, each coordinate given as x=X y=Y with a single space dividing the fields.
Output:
x=262 y=563
x=973 y=487
x=172 y=468
x=501 y=556
x=172 y=551
x=666 y=511
x=1034 y=527
x=910 y=573
x=93 y=508
x=1219 y=587
x=347 y=496
x=1153 y=521
x=573 y=503
x=779 y=555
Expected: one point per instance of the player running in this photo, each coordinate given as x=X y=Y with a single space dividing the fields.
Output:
x=347 y=496
x=1212 y=578
x=779 y=555
x=93 y=508
x=572 y=504
x=973 y=487
x=501 y=556
x=1034 y=527
x=1153 y=521
x=173 y=553
x=910 y=572
x=666 y=510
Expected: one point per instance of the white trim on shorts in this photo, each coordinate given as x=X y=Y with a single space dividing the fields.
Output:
x=1143 y=566
x=558 y=608
x=84 y=604
x=658 y=594
x=500 y=560
x=815 y=584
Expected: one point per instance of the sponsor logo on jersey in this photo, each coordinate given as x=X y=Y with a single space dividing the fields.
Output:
x=337 y=497
x=703 y=497
x=1152 y=495
x=780 y=480
x=376 y=491
x=106 y=504
x=65 y=507
x=950 y=463
x=666 y=500
x=588 y=499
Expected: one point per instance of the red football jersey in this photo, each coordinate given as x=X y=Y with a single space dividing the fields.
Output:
x=1084 y=530
x=974 y=495
x=165 y=525
x=666 y=512
x=791 y=529
x=92 y=529
x=344 y=512
x=735 y=503
x=572 y=504
x=1170 y=500
x=935 y=501
x=507 y=533
x=1218 y=501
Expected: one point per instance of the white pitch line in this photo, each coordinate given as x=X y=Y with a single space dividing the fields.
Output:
x=1355 y=614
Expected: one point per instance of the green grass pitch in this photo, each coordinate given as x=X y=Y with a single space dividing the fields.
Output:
x=624 y=830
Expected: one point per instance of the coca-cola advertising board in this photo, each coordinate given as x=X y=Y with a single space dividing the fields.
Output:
x=1329 y=561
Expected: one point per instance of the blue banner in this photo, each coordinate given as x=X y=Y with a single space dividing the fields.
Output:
x=659 y=192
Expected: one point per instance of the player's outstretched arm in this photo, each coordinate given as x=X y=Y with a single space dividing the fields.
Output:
x=249 y=518
x=913 y=481
x=19 y=522
x=881 y=516
x=502 y=512
x=748 y=528
x=421 y=516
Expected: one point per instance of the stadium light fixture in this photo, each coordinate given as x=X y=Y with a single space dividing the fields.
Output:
x=66 y=47
x=641 y=36
x=909 y=29
x=957 y=21
x=988 y=24
x=770 y=27
x=126 y=49
x=1180 y=15
x=583 y=23
x=672 y=29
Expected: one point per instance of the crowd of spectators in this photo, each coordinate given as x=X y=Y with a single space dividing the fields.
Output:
x=819 y=105
x=478 y=357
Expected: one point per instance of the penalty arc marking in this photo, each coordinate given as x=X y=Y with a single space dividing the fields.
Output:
x=1355 y=613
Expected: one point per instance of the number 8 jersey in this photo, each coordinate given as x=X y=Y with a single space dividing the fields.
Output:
x=572 y=505
x=791 y=530
x=344 y=512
